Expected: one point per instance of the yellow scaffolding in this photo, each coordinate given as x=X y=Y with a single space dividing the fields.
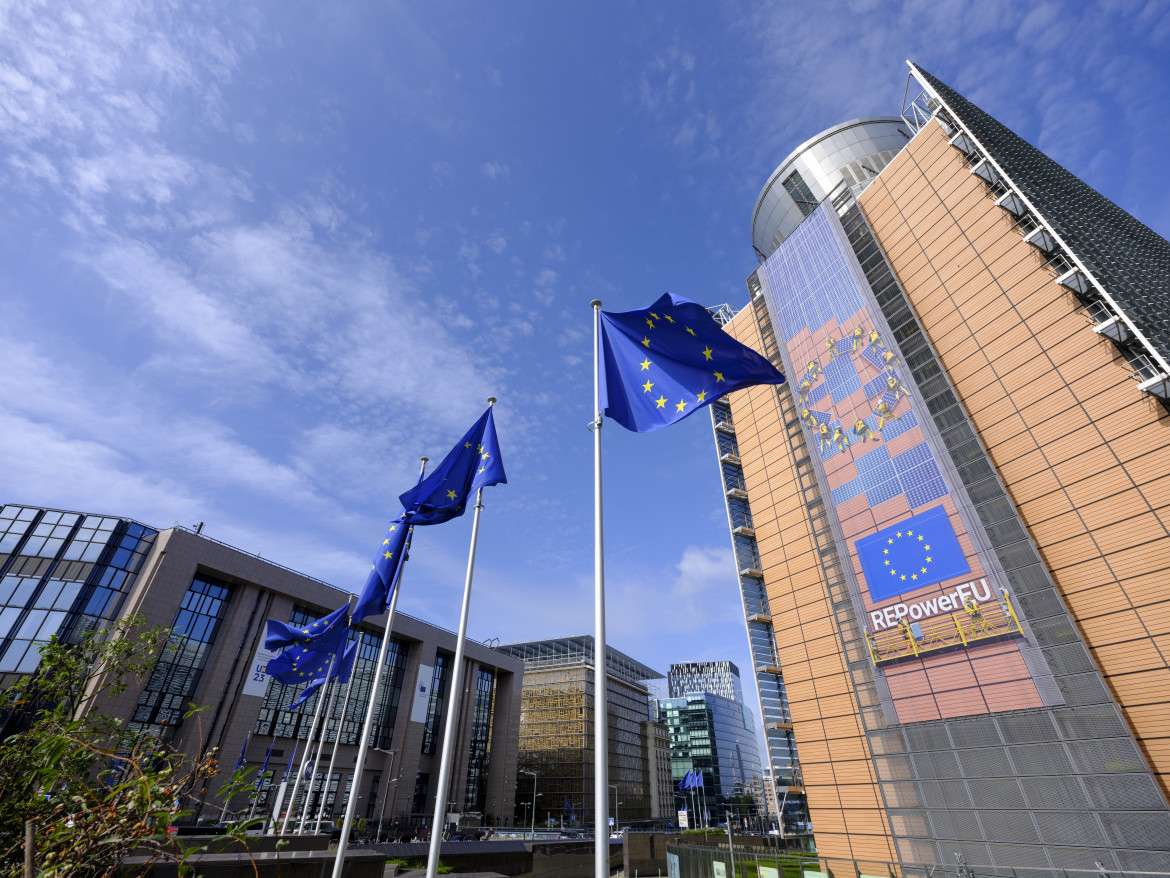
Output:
x=975 y=623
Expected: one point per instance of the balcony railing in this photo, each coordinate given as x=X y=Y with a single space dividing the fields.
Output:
x=975 y=623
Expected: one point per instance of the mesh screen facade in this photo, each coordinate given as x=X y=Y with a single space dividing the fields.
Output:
x=1049 y=759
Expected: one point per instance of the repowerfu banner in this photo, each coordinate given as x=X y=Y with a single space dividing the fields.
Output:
x=942 y=629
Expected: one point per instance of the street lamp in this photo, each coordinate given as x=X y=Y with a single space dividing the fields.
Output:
x=533 y=773
x=385 y=796
x=617 y=825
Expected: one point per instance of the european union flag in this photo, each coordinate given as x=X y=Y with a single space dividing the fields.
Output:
x=663 y=363
x=342 y=671
x=375 y=594
x=327 y=629
x=919 y=551
x=472 y=464
x=304 y=663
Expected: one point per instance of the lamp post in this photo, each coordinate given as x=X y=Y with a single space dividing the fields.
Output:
x=533 y=773
x=617 y=826
x=385 y=794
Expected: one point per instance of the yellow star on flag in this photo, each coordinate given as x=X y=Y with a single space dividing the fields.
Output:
x=702 y=396
x=682 y=405
x=646 y=387
x=451 y=495
x=718 y=377
x=646 y=342
x=707 y=352
x=661 y=402
x=645 y=364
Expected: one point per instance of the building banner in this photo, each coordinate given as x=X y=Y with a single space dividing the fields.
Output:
x=942 y=629
x=257 y=680
x=422 y=694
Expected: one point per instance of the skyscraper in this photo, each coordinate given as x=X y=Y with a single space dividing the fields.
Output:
x=953 y=524
x=556 y=733
x=720 y=678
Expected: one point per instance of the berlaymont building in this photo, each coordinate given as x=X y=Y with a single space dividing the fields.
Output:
x=952 y=523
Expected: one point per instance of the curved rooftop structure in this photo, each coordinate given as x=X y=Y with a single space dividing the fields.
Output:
x=853 y=151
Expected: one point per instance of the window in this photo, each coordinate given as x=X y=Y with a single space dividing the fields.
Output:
x=175 y=678
x=435 y=705
x=800 y=193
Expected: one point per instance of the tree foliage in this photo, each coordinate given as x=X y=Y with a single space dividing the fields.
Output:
x=94 y=789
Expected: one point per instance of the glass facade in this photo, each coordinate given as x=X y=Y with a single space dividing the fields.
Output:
x=720 y=678
x=783 y=760
x=61 y=573
x=556 y=730
x=716 y=737
x=479 y=752
x=175 y=679
x=795 y=186
x=435 y=705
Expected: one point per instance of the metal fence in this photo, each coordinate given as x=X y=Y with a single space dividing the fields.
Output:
x=716 y=861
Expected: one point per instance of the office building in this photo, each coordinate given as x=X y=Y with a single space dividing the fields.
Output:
x=718 y=678
x=952 y=522
x=556 y=734
x=716 y=738
x=68 y=573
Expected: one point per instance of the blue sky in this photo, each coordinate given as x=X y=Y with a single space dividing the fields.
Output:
x=256 y=259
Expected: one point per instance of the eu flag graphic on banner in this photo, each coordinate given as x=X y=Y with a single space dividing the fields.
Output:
x=663 y=363
x=472 y=464
x=327 y=629
x=921 y=550
x=375 y=595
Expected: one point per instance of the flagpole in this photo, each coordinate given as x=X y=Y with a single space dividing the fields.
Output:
x=239 y=762
x=260 y=780
x=453 y=701
x=600 y=678
x=321 y=746
x=333 y=686
x=292 y=802
x=337 y=739
x=359 y=766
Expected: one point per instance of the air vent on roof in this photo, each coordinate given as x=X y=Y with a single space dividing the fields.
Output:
x=986 y=170
x=1150 y=378
x=961 y=142
x=1076 y=281
x=1106 y=323
x=1041 y=239
x=1012 y=203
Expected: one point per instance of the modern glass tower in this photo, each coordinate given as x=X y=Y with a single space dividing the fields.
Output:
x=720 y=678
x=952 y=525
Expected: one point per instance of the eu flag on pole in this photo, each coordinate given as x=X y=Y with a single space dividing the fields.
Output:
x=472 y=464
x=342 y=671
x=375 y=594
x=327 y=629
x=918 y=551
x=663 y=363
x=304 y=664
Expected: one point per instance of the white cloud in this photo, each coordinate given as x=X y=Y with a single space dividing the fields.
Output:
x=495 y=170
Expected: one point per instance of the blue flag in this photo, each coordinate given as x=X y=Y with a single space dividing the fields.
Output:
x=341 y=671
x=698 y=782
x=327 y=629
x=663 y=363
x=305 y=664
x=918 y=551
x=376 y=593
x=472 y=464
